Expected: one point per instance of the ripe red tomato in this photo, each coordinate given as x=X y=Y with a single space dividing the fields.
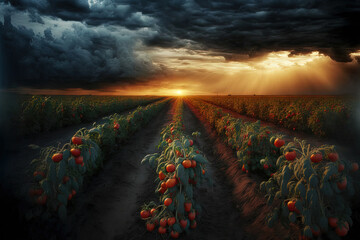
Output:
x=183 y=223
x=66 y=179
x=76 y=140
x=171 y=221
x=150 y=226
x=266 y=167
x=186 y=163
x=70 y=196
x=79 y=160
x=203 y=171
x=279 y=143
x=162 y=190
x=174 y=234
x=333 y=157
x=167 y=201
x=57 y=157
x=170 y=183
x=290 y=156
x=75 y=152
x=192 y=215
x=187 y=206
x=316 y=158
x=161 y=175
x=193 y=163
x=249 y=143
x=170 y=168
x=191 y=142
x=315 y=233
x=41 y=200
x=332 y=221
x=153 y=212
x=197 y=152
x=163 y=222
x=342 y=230
x=355 y=167
x=144 y=214
x=243 y=168
x=36 y=173
x=193 y=224
x=342 y=184
x=162 y=230
x=291 y=206
x=116 y=126
x=341 y=167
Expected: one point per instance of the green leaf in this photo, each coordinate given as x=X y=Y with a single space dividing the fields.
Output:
x=200 y=159
x=61 y=171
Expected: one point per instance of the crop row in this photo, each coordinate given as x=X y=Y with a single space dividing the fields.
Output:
x=41 y=113
x=180 y=167
x=59 y=172
x=317 y=115
x=308 y=186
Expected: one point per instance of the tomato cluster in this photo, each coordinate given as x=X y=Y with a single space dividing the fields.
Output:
x=60 y=171
x=308 y=185
x=180 y=168
x=317 y=114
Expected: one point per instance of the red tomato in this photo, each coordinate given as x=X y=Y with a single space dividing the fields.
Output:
x=174 y=234
x=144 y=214
x=193 y=224
x=183 y=223
x=162 y=190
x=342 y=230
x=191 y=142
x=150 y=226
x=163 y=222
x=57 y=157
x=342 y=184
x=76 y=140
x=333 y=157
x=279 y=143
x=36 y=173
x=291 y=206
x=332 y=221
x=355 y=167
x=79 y=160
x=266 y=167
x=167 y=201
x=193 y=163
x=162 y=230
x=243 y=168
x=186 y=163
x=116 y=126
x=170 y=183
x=316 y=158
x=66 y=179
x=341 y=167
x=161 y=175
x=315 y=233
x=153 y=212
x=187 y=206
x=192 y=216
x=75 y=152
x=171 y=221
x=290 y=156
x=203 y=171
x=70 y=196
x=249 y=143
x=41 y=200
x=197 y=152
x=170 y=168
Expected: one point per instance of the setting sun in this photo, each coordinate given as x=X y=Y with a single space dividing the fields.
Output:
x=179 y=92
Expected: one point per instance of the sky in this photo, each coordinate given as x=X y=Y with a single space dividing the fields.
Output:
x=170 y=47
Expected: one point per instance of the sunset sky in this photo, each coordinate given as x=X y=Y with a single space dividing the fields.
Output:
x=173 y=47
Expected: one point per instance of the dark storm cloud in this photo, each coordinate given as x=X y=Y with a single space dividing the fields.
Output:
x=81 y=57
x=235 y=29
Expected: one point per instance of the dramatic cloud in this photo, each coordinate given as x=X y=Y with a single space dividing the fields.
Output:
x=86 y=43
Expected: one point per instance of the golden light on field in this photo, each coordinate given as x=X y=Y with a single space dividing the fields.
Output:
x=179 y=92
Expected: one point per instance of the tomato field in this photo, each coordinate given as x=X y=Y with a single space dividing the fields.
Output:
x=183 y=167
